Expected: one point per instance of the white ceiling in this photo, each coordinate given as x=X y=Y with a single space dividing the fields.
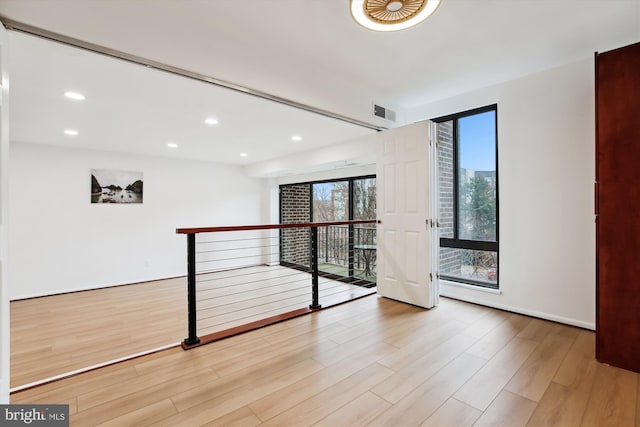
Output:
x=308 y=51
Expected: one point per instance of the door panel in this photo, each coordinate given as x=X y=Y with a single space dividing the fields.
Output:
x=405 y=249
x=618 y=207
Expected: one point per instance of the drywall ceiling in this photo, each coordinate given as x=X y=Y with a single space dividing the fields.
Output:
x=134 y=109
x=308 y=51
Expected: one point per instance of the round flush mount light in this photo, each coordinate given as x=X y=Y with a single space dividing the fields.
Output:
x=75 y=96
x=244 y=155
x=392 y=15
x=211 y=121
x=71 y=132
x=172 y=145
x=296 y=138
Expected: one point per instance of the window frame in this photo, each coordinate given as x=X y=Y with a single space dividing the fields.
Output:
x=455 y=242
x=351 y=215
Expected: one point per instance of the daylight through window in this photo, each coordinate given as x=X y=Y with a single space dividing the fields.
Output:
x=468 y=180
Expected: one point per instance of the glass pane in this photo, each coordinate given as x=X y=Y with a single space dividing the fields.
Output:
x=364 y=235
x=469 y=265
x=477 y=177
x=364 y=192
x=331 y=201
x=444 y=134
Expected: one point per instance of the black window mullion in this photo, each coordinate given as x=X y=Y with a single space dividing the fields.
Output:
x=476 y=245
x=456 y=177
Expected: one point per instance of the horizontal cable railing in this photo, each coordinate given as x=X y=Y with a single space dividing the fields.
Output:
x=244 y=277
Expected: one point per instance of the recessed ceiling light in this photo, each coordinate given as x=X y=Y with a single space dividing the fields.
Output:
x=172 y=145
x=211 y=121
x=71 y=132
x=296 y=138
x=244 y=155
x=75 y=95
x=392 y=15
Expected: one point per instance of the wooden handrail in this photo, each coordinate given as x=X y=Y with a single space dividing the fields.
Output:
x=270 y=226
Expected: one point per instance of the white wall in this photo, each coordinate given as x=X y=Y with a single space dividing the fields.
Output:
x=4 y=218
x=61 y=242
x=546 y=172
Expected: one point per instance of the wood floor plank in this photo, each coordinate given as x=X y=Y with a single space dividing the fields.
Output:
x=497 y=338
x=412 y=375
x=358 y=412
x=613 y=398
x=66 y=389
x=565 y=400
x=242 y=417
x=124 y=401
x=144 y=416
x=560 y=406
x=638 y=405
x=288 y=397
x=325 y=403
x=201 y=411
x=533 y=378
x=427 y=340
x=309 y=345
x=421 y=403
x=105 y=394
x=282 y=371
x=507 y=410
x=484 y=386
x=453 y=413
x=486 y=324
x=536 y=330
x=573 y=368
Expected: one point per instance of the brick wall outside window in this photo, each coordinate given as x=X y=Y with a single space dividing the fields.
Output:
x=295 y=243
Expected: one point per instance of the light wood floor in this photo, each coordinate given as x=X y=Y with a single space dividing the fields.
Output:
x=369 y=362
x=54 y=335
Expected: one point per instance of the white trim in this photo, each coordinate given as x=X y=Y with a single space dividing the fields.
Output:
x=524 y=311
x=468 y=286
x=92 y=367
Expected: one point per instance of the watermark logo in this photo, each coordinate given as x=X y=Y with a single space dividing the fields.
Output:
x=34 y=415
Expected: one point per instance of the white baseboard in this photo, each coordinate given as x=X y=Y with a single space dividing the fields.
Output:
x=527 y=312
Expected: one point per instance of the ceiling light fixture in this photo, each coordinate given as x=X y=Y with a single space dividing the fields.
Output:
x=244 y=155
x=71 y=132
x=75 y=95
x=296 y=138
x=392 y=15
x=172 y=145
x=211 y=121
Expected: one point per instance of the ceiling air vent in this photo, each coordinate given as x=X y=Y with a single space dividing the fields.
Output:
x=384 y=113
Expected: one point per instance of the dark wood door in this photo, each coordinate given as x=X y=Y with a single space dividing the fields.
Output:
x=618 y=207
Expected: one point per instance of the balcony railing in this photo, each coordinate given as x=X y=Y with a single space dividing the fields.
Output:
x=241 y=278
x=347 y=250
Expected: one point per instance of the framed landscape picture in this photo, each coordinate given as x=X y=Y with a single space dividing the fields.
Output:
x=112 y=186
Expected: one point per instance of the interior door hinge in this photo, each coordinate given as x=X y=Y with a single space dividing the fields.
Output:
x=431 y=277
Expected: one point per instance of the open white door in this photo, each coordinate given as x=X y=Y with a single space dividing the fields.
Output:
x=407 y=242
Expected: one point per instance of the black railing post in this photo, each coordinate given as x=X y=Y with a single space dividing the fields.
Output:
x=326 y=244
x=315 y=303
x=351 y=251
x=192 y=339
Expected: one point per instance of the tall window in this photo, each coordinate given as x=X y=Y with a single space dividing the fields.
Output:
x=340 y=247
x=468 y=164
